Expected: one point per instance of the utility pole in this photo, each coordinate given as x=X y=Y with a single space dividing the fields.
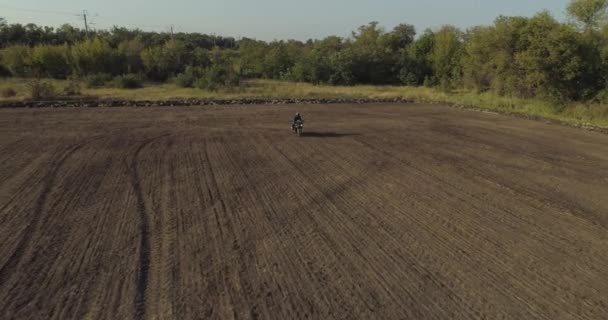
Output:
x=171 y=32
x=86 y=25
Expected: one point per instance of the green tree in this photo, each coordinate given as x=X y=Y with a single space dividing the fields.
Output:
x=13 y=34
x=590 y=14
x=557 y=61
x=604 y=56
x=343 y=64
x=222 y=72
x=131 y=52
x=446 y=54
x=163 y=62
x=94 y=56
x=51 y=61
x=69 y=34
x=414 y=64
x=480 y=59
x=489 y=55
x=17 y=59
x=401 y=36
x=277 y=61
x=315 y=64
x=153 y=61
x=252 y=54
x=201 y=58
x=371 y=59
x=177 y=56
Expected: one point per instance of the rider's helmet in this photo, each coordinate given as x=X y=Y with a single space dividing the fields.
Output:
x=297 y=114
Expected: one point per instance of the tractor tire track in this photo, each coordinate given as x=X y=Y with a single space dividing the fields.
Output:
x=143 y=267
x=379 y=213
x=13 y=262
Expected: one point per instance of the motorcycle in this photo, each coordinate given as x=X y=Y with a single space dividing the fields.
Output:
x=298 y=127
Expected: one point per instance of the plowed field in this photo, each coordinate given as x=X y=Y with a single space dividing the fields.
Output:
x=378 y=211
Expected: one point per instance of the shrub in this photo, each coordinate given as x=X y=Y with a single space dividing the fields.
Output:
x=8 y=93
x=218 y=76
x=98 y=80
x=185 y=80
x=128 y=81
x=202 y=83
x=163 y=62
x=601 y=97
x=51 y=61
x=232 y=79
x=94 y=56
x=72 y=88
x=407 y=78
x=4 y=72
x=41 y=90
x=17 y=59
x=189 y=77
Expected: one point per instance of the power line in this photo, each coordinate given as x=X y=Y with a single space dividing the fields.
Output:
x=133 y=25
x=83 y=15
x=113 y=21
x=39 y=11
x=87 y=23
x=15 y=18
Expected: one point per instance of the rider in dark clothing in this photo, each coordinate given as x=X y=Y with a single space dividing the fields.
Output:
x=296 y=117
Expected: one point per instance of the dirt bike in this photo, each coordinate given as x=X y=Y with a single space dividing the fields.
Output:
x=298 y=127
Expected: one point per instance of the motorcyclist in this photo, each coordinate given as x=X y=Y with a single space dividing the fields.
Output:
x=296 y=117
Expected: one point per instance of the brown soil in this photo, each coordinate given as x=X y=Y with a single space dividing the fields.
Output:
x=378 y=211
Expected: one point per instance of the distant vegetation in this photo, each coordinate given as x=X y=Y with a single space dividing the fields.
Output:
x=537 y=57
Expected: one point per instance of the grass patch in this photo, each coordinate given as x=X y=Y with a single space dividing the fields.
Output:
x=8 y=93
x=576 y=113
x=579 y=113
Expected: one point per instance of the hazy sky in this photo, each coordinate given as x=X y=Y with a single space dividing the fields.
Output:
x=271 y=19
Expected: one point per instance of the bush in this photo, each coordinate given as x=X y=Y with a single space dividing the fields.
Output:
x=185 y=80
x=4 y=72
x=232 y=79
x=17 y=59
x=163 y=62
x=72 y=88
x=218 y=76
x=189 y=77
x=128 y=81
x=8 y=93
x=41 y=90
x=94 y=56
x=98 y=80
x=407 y=78
x=51 y=61
x=601 y=97
x=203 y=83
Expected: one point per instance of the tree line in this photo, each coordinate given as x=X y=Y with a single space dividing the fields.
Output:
x=519 y=56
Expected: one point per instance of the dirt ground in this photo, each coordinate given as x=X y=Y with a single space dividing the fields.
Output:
x=378 y=211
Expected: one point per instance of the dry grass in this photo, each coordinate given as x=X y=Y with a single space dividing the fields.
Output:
x=589 y=114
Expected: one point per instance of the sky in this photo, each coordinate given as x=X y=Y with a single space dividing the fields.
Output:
x=271 y=19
